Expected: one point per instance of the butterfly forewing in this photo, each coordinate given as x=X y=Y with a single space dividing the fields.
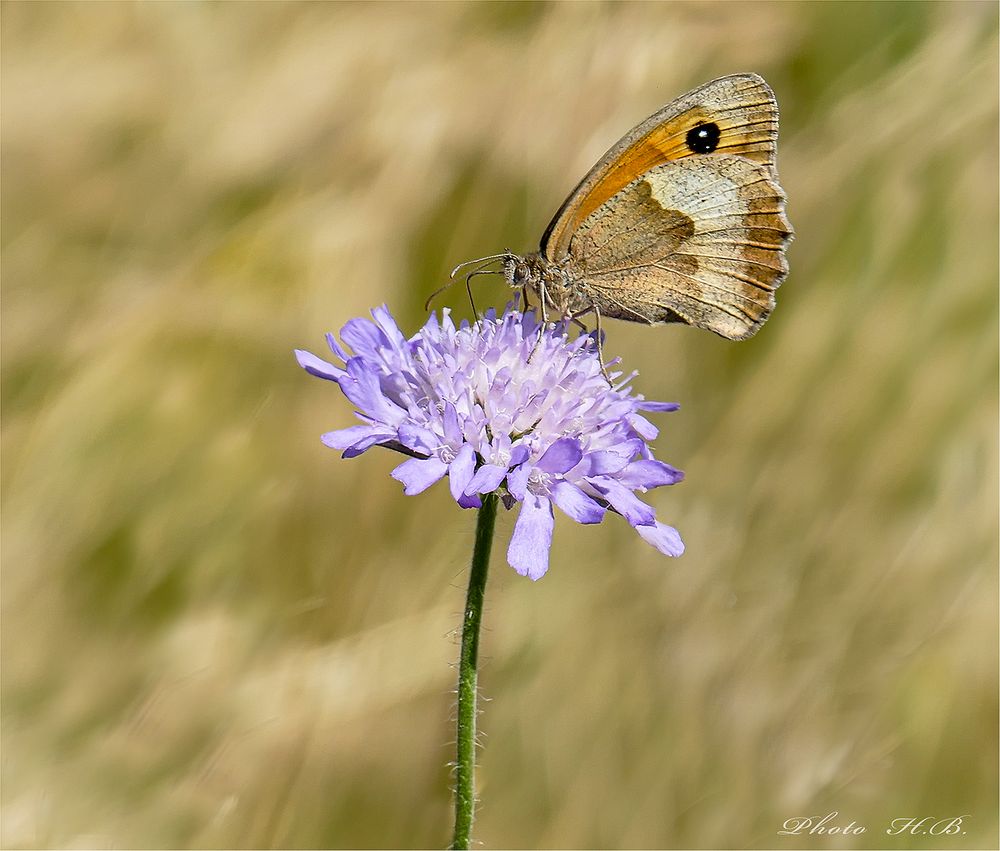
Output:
x=744 y=113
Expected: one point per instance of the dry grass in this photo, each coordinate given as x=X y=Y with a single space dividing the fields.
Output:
x=216 y=634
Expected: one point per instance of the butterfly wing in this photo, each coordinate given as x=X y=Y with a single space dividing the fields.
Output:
x=699 y=240
x=743 y=109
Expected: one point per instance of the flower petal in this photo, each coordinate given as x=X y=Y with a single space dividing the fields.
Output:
x=631 y=448
x=627 y=503
x=519 y=454
x=665 y=538
x=336 y=348
x=575 y=503
x=344 y=437
x=365 y=338
x=561 y=456
x=361 y=386
x=389 y=327
x=517 y=481
x=643 y=427
x=418 y=438
x=602 y=462
x=528 y=552
x=318 y=367
x=658 y=407
x=418 y=474
x=649 y=474
x=356 y=439
x=452 y=427
x=487 y=479
x=460 y=471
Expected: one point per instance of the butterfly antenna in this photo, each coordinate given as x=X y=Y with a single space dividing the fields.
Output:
x=435 y=294
x=488 y=259
x=484 y=261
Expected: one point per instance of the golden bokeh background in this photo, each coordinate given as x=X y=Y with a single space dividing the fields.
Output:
x=216 y=633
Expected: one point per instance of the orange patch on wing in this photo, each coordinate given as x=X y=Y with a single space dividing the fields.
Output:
x=668 y=142
x=656 y=148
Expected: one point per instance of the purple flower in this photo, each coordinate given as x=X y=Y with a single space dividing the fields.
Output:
x=502 y=405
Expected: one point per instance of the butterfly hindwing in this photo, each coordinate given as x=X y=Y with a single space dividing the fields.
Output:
x=698 y=240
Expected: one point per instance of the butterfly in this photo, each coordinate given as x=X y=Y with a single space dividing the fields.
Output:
x=683 y=220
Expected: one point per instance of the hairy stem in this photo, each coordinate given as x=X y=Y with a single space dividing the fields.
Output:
x=468 y=675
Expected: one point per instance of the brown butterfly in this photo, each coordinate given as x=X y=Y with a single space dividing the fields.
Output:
x=682 y=221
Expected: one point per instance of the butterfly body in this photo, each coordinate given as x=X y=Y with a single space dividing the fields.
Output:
x=682 y=221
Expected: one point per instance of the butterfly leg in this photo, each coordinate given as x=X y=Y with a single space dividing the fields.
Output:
x=593 y=308
x=545 y=317
x=542 y=299
x=600 y=343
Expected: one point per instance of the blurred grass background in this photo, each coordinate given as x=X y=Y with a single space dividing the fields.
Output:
x=218 y=634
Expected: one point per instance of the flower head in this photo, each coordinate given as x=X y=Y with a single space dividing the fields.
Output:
x=502 y=405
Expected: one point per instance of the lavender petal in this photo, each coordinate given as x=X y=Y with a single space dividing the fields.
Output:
x=318 y=367
x=665 y=538
x=486 y=479
x=575 y=504
x=364 y=338
x=528 y=552
x=626 y=503
x=517 y=481
x=336 y=348
x=418 y=474
x=658 y=407
x=460 y=471
x=649 y=474
x=561 y=456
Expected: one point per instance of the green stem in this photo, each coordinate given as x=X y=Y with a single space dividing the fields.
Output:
x=465 y=766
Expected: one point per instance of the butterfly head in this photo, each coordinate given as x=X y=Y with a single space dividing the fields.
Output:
x=548 y=281
x=517 y=272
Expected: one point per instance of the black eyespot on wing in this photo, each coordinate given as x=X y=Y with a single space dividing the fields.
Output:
x=703 y=138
